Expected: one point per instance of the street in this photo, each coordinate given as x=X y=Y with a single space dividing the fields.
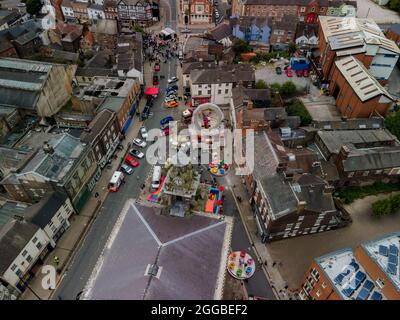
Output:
x=81 y=267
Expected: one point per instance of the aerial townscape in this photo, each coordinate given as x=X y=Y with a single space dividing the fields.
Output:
x=199 y=150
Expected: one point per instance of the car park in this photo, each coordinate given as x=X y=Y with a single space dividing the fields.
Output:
x=131 y=161
x=140 y=143
x=166 y=120
x=126 y=169
x=173 y=79
x=143 y=132
x=136 y=153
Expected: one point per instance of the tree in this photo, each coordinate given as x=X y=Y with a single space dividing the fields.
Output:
x=394 y=5
x=288 y=89
x=240 y=46
x=296 y=108
x=261 y=84
x=392 y=123
x=33 y=6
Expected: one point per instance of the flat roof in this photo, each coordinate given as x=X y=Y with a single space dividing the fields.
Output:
x=188 y=256
x=363 y=83
x=385 y=252
x=347 y=276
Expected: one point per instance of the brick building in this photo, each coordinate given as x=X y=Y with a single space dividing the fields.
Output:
x=357 y=93
x=369 y=272
x=198 y=11
x=361 y=38
x=103 y=135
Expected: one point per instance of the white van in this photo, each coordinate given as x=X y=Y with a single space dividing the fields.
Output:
x=155 y=183
x=116 y=181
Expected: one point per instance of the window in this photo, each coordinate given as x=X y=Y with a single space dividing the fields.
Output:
x=34 y=239
x=209 y=92
x=18 y=273
x=378 y=171
x=323 y=285
x=301 y=218
x=39 y=245
x=380 y=283
x=351 y=174
x=219 y=91
x=365 y=173
x=313 y=9
x=29 y=258
x=303 y=9
x=13 y=267
x=318 y=293
x=24 y=253
x=226 y=91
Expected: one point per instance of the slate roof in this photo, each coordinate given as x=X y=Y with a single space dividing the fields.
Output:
x=97 y=125
x=14 y=236
x=42 y=212
x=221 y=31
x=178 y=246
x=105 y=26
x=233 y=73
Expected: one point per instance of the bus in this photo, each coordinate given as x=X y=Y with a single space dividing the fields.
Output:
x=116 y=181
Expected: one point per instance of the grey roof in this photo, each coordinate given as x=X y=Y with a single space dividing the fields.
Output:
x=10 y=209
x=372 y=159
x=334 y=140
x=93 y=72
x=177 y=245
x=189 y=66
x=223 y=74
x=395 y=28
x=221 y=31
x=245 y=22
x=272 y=114
x=350 y=124
x=42 y=212
x=26 y=37
x=111 y=103
x=14 y=236
x=12 y=159
x=5 y=44
x=105 y=26
x=97 y=125
x=67 y=149
x=265 y=157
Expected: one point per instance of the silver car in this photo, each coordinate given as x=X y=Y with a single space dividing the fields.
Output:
x=140 y=143
x=126 y=169
x=143 y=132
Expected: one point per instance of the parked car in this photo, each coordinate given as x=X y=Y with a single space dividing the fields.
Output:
x=289 y=72
x=306 y=73
x=126 y=169
x=131 y=161
x=136 y=153
x=299 y=73
x=173 y=80
x=278 y=70
x=143 y=132
x=166 y=120
x=139 y=143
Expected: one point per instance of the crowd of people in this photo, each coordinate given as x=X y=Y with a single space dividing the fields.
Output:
x=158 y=49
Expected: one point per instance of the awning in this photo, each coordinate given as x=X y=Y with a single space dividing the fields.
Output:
x=152 y=91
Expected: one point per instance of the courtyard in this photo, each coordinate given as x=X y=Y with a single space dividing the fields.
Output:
x=294 y=256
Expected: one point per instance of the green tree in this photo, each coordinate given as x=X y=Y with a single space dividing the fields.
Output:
x=33 y=6
x=261 y=84
x=240 y=46
x=392 y=123
x=394 y=5
x=296 y=108
x=288 y=89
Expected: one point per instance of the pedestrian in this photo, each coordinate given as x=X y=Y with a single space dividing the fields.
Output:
x=56 y=260
x=96 y=194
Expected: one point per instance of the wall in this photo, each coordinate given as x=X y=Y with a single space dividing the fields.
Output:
x=21 y=262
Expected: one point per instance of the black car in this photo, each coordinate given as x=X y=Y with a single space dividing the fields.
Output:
x=278 y=70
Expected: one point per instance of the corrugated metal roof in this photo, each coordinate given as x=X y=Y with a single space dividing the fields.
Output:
x=363 y=83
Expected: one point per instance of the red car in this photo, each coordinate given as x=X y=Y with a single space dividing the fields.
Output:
x=289 y=72
x=166 y=131
x=131 y=161
x=305 y=73
x=299 y=73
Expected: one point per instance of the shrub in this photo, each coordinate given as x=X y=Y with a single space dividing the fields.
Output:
x=387 y=206
x=261 y=84
x=349 y=194
x=392 y=123
x=288 y=89
x=296 y=108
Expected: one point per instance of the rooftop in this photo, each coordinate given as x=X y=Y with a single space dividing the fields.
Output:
x=363 y=83
x=8 y=209
x=368 y=30
x=348 y=277
x=101 y=87
x=223 y=74
x=176 y=247
x=12 y=159
x=334 y=140
x=111 y=103
x=13 y=238
x=97 y=125
x=385 y=253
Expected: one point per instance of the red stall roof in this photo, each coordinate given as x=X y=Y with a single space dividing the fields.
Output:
x=152 y=91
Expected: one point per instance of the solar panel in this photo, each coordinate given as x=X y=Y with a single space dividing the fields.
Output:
x=376 y=296
x=393 y=250
x=363 y=294
x=368 y=285
x=354 y=265
x=391 y=268
x=393 y=259
x=361 y=275
x=348 y=291
x=339 y=278
x=383 y=251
